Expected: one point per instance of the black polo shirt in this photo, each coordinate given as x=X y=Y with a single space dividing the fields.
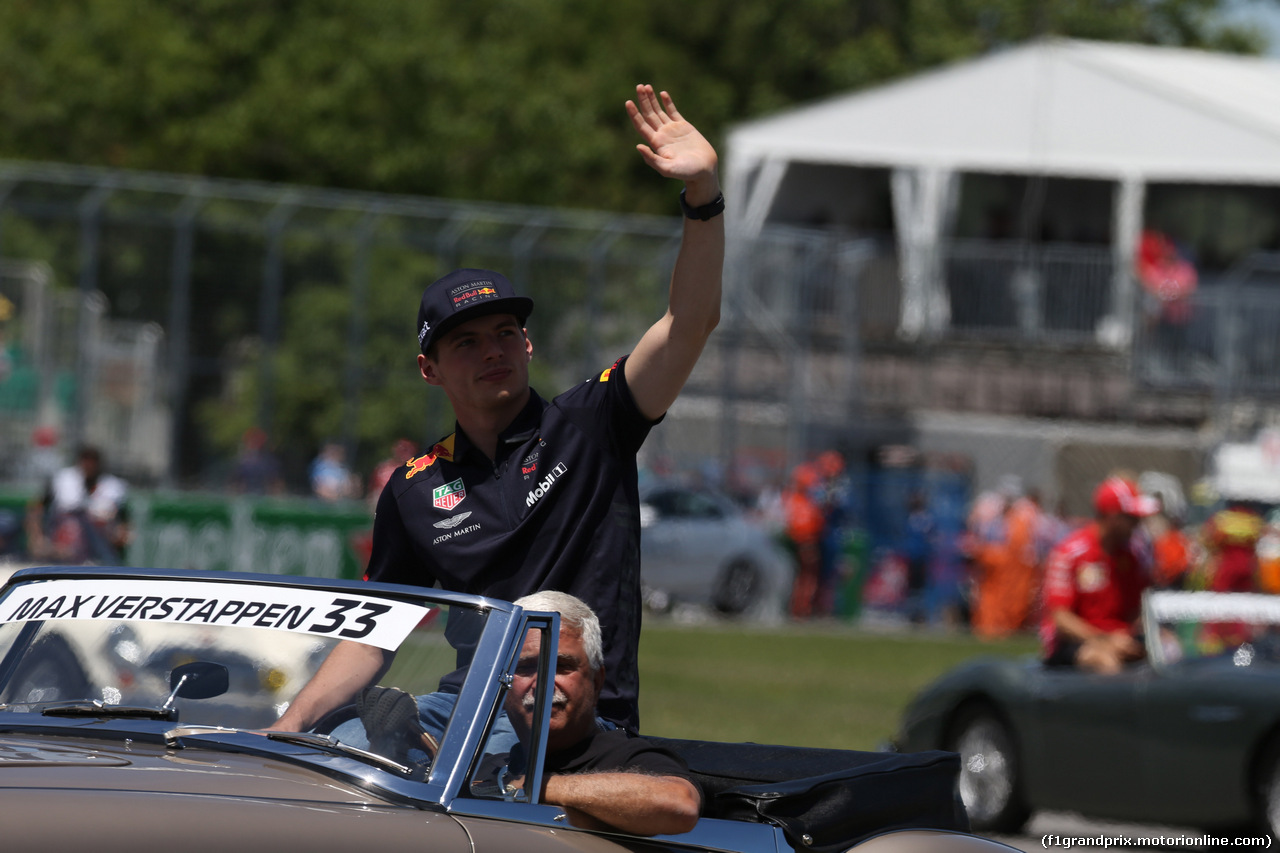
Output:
x=603 y=752
x=617 y=751
x=558 y=509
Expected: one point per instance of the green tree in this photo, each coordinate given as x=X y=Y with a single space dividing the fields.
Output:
x=506 y=100
x=502 y=100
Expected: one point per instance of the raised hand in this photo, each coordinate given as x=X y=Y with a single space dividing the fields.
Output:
x=672 y=146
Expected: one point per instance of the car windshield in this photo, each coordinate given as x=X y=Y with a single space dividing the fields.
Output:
x=1239 y=629
x=205 y=651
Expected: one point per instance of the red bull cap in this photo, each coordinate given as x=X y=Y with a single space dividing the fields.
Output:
x=463 y=295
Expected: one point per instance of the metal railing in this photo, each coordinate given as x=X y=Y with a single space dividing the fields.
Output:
x=1034 y=293
x=1223 y=340
x=205 y=280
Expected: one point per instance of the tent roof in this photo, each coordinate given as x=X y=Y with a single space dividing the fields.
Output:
x=1053 y=106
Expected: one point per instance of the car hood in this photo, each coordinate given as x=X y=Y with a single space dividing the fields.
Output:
x=61 y=762
x=61 y=792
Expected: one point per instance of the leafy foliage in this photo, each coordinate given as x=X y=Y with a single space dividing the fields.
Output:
x=511 y=100
x=505 y=100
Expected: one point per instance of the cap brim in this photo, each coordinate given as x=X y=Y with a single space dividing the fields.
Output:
x=520 y=306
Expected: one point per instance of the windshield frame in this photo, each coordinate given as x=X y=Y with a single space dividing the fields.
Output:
x=478 y=700
x=1161 y=608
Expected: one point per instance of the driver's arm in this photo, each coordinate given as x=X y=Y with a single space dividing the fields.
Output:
x=634 y=802
x=349 y=667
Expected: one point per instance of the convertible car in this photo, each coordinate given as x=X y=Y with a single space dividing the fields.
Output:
x=1189 y=737
x=134 y=708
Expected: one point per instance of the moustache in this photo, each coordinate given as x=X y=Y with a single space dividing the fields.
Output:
x=558 y=699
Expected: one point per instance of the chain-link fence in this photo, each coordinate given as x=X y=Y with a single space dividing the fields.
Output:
x=194 y=309
x=162 y=316
x=63 y=354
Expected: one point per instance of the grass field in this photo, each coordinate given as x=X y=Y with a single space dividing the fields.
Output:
x=827 y=686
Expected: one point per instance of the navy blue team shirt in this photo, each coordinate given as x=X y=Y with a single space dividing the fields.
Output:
x=558 y=509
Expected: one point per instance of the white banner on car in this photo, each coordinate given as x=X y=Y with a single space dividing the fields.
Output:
x=366 y=619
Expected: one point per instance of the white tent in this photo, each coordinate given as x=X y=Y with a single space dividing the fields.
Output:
x=1126 y=113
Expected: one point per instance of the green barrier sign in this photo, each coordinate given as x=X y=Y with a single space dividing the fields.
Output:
x=277 y=536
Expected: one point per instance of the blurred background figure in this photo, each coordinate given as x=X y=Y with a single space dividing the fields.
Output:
x=833 y=497
x=331 y=479
x=919 y=546
x=82 y=515
x=45 y=458
x=1231 y=562
x=1025 y=553
x=1094 y=580
x=402 y=450
x=1168 y=280
x=804 y=529
x=1231 y=538
x=1268 y=552
x=1008 y=565
x=980 y=544
x=1172 y=550
x=256 y=470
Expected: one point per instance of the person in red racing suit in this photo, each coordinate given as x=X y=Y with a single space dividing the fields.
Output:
x=1093 y=585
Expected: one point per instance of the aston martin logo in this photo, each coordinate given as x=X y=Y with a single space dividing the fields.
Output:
x=452 y=522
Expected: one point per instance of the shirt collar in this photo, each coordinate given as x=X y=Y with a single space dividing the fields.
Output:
x=521 y=429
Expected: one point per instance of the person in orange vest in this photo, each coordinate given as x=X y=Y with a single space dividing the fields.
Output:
x=1010 y=566
x=1172 y=550
x=804 y=528
x=1268 y=551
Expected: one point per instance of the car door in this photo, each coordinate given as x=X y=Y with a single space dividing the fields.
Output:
x=1197 y=727
x=544 y=829
x=1086 y=727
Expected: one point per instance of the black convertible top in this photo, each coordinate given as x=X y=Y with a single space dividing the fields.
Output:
x=825 y=799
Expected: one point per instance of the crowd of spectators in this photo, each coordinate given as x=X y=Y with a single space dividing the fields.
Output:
x=987 y=573
x=981 y=568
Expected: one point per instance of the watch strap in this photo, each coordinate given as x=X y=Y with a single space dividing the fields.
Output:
x=710 y=210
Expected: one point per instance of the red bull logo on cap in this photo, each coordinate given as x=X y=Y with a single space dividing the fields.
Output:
x=449 y=495
x=474 y=292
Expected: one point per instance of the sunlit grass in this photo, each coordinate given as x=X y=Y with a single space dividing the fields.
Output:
x=827 y=686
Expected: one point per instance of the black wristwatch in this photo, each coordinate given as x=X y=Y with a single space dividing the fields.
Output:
x=710 y=210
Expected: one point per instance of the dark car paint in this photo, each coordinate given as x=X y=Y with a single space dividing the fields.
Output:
x=1177 y=746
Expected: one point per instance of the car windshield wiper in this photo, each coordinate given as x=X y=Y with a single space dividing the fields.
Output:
x=334 y=745
x=98 y=708
x=91 y=708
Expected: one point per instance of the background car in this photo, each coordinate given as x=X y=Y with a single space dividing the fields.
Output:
x=1191 y=737
x=152 y=756
x=698 y=546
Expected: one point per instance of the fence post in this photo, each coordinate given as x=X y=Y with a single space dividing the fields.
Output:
x=184 y=219
x=90 y=214
x=367 y=227
x=1130 y=193
x=269 y=308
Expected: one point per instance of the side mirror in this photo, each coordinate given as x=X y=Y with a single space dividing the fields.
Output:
x=198 y=680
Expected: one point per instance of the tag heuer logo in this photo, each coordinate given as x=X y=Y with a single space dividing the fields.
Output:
x=449 y=495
